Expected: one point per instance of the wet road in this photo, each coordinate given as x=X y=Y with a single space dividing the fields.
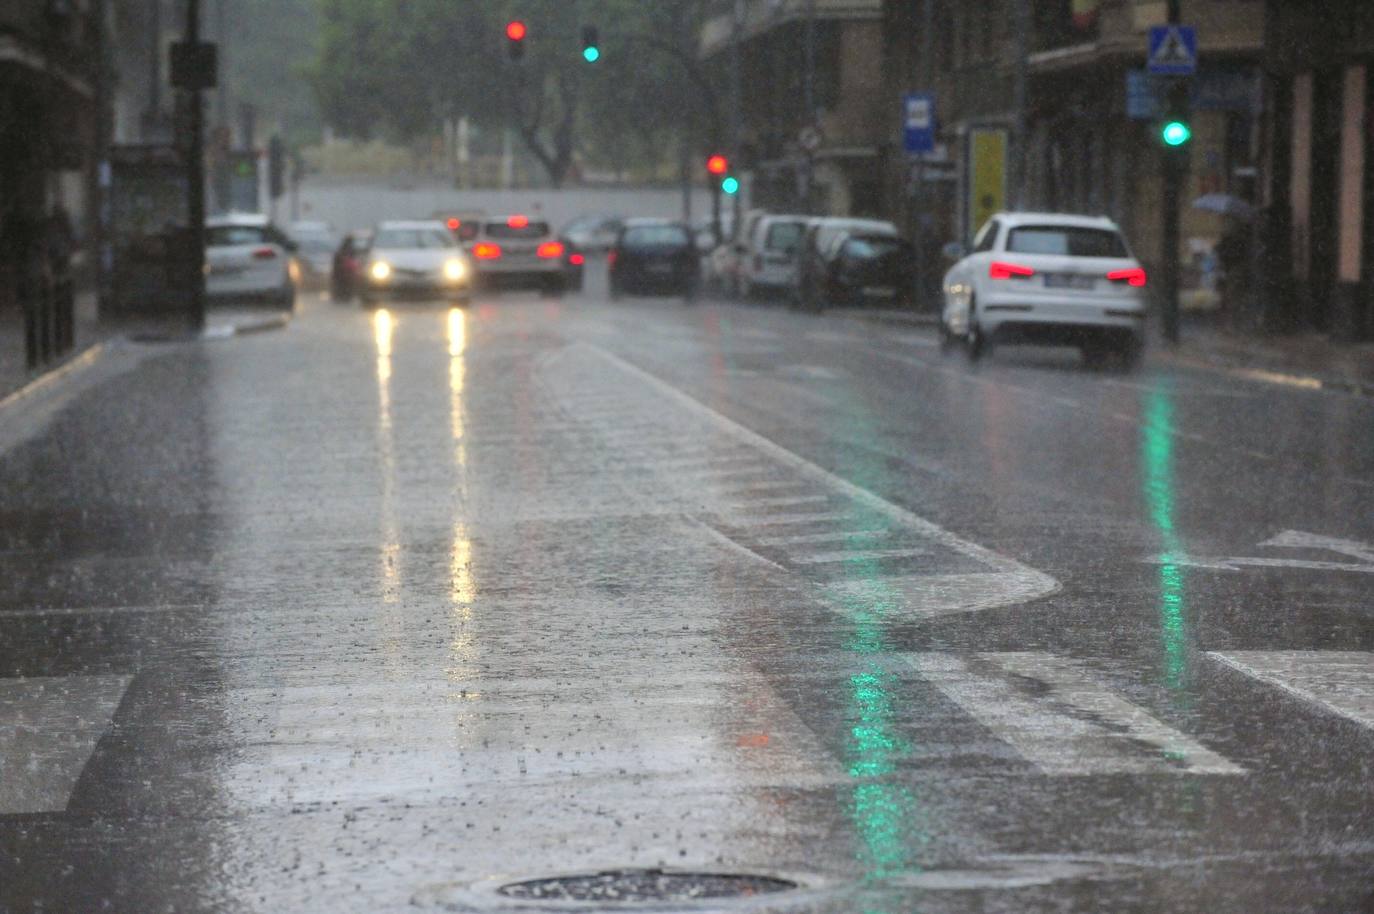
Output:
x=386 y=611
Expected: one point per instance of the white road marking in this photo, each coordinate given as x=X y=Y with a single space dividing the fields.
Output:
x=997 y=581
x=1288 y=539
x=803 y=538
x=762 y=487
x=781 y=502
x=858 y=555
x=48 y=729
x=1072 y=725
x=1341 y=682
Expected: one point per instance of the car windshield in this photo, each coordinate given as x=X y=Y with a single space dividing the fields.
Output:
x=655 y=236
x=1066 y=240
x=874 y=247
x=517 y=231
x=314 y=242
x=402 y=239
x=217 y=236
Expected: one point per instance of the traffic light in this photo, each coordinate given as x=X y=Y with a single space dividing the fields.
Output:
x=515 y=39
x=591 y=44
x=1175 y=133
x=730 y=185
x=717 y=165
x=276 y=167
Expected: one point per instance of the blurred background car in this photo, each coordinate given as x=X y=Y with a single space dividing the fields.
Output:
x=315 y=245
x=654 y=257
x=593 y=233
x=249 y=260
x=346 y=269
x=871 y=269
x=463 y=223
x=768 y=261
x=518 y=251
x=415 y=259
x=818 y=246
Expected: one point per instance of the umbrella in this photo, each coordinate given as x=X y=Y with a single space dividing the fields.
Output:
x=1225 y=205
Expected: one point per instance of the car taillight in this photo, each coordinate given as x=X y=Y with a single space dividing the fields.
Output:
x=611 y=258
x=577 y=260
x=1135 y=276
x=265 y=254
x=485 y=251
x=518 y=222
x=550 y=249
x=1000 y=270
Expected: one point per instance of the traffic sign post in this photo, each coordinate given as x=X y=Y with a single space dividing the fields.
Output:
x=918 y=123
x=1172 y=52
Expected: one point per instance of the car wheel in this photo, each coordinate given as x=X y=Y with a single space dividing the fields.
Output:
x=975 y=343
x=946 y=338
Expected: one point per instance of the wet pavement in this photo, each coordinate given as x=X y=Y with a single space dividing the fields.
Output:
x=386 y=611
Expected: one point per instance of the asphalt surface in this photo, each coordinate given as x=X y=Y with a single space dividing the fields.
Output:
x=385 y=611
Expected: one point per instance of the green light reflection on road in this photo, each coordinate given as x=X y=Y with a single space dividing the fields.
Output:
x=1158 y=459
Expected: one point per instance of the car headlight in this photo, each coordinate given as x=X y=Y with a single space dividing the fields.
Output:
x=455 y=269
x=380 y=270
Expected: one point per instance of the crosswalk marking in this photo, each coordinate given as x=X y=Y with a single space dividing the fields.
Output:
x=1341 y=682
x=49 y=726
x=801 y=539
x=778 y=520
x=1069 y=724
x=788 y=502
x=857 y=555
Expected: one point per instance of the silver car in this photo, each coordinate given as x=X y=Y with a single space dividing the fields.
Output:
x=416 y=259
x=248 y=259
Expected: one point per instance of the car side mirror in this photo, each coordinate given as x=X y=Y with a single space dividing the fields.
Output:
x=955 y=250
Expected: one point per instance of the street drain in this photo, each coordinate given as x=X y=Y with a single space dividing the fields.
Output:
x=628 y=886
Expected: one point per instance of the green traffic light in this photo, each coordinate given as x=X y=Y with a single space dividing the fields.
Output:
x=591 y=54
x=730 y=185
x=1176 y=133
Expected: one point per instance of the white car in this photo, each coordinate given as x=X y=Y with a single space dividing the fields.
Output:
x=1047 y=278
x=248 y=259
x=316 y=243
x=415 y=259
x=518 y=250
x=768 y=263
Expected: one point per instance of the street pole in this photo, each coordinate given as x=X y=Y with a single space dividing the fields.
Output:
x=736 y=102
x=1021 y=27
x=809 y=100
x=1175 y=164
x=195 y=176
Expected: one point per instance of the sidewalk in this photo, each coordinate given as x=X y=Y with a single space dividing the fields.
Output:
x=14 y=374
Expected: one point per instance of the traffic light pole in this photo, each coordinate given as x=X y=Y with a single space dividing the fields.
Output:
x=195 y=176
x=1175 y=170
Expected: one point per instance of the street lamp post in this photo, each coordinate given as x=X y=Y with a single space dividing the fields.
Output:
x=195 y=175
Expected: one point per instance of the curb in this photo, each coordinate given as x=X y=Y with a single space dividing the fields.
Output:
x=88 y=357
x=901 y=318
x=1266 y=375
x=214 y=332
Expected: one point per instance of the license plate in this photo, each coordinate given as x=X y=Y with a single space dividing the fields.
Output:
x=1068 y=281
x=660 y=268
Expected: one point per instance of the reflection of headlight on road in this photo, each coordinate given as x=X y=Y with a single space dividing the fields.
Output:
x=455 y=269
x=381 y=270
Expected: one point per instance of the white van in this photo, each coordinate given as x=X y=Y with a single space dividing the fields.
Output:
x=768 y=264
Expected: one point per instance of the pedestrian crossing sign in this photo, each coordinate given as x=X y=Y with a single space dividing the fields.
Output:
x=1173 y=50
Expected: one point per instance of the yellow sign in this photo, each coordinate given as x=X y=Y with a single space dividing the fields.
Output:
x=987 y=180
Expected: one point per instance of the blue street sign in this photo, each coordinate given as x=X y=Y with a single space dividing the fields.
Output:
x=918 y=123
x=1173 y=50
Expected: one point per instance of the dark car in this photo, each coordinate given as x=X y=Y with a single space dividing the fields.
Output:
x=865 y=269
x=654 y=257
x=347 y=267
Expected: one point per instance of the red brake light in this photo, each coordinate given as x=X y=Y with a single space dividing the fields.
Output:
x=453 y=224
x=486 y=251
x=518 y=222
x=611 y=258
x=1000 y=270
x=577 y=260
x=515 y=30
x=1135 y=276
x=265 y=254
x=550 y=249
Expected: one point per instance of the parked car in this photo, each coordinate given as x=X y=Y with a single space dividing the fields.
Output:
x=1047 y=278
x=870 y=269
x=315 y=246
x=768 y=262
x=592 y=233
x=819 y=245
x=723 y=264
x=346 y=268
x=519 y=251
x=415 y=259
x=654 y=256
x=248 y=259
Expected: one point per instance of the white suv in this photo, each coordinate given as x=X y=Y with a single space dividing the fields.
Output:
x=248 y=259
x=1047 y=278
x=518 y=250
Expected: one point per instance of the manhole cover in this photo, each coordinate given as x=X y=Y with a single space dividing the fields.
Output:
x=645 y=885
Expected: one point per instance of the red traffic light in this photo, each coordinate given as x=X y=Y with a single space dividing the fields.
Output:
x=515 y=30
x=717 y=165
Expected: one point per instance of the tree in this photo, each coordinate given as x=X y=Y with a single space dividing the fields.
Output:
x=404 y=67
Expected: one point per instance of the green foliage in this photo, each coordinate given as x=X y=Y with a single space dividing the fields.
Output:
x=268 y=45
x=400 y=68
